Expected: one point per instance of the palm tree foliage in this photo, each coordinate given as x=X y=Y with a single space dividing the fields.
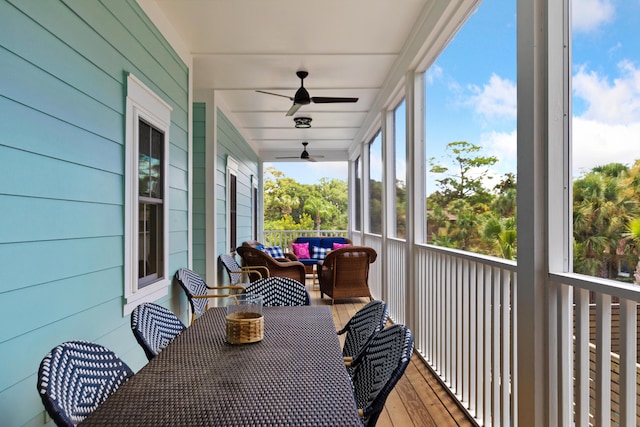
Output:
x=605 y=213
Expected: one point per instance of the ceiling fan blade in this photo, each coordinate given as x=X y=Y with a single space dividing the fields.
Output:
x=294 y=109
x=329 y=99
x=276 y=94
x=288 y=157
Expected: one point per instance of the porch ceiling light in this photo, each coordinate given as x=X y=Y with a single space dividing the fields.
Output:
x=302 y=122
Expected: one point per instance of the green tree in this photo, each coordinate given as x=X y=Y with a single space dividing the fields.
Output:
x=600 y=217
x=501 y=233
x=282 y=195
x=632 y=246
x=318 y=208
x=401 y=209
x=375 y=206
x=470 y=168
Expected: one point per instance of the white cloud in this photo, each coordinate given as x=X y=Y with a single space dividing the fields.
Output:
x=502 y=145
x=616 y=102
x=608 y=130
x=596 y=143
x=433 y=74
x=588 y=15
x=496 y=99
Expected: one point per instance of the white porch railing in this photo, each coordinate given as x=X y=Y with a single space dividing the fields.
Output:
x=592 y=384
x=465 y=328
x=465 y=324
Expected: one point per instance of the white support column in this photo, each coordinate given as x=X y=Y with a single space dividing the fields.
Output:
x=415 y=187
x=388 y=203
x=211 y=135
x=531 y=326
x=351 y=196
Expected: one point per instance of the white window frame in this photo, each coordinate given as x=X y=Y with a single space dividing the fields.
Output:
x=143 y=104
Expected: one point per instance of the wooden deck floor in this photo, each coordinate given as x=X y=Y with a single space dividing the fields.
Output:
x=418 y=399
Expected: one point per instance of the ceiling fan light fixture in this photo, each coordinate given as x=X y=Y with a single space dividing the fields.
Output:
x=302 y=122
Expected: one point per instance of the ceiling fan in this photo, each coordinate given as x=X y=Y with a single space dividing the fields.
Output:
x=302 y=96
x=304 y=155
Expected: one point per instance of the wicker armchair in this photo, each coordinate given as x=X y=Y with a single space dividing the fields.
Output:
x=345 y=272
x=277 y=267
x=288 y=256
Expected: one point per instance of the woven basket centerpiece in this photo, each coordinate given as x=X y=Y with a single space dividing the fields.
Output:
x=245 y=323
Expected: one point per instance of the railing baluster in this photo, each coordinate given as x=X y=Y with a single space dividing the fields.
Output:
x=495 y=351
x=628 y=369
x=603 y=359
x=581 y=351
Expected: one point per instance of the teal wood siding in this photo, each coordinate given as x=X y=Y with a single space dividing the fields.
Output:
x=231 y=143
x=199 y=192
x=63 y=68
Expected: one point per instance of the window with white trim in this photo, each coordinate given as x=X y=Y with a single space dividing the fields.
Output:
x=146 y=195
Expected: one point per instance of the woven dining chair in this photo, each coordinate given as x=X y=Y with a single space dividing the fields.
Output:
x=76 y=377
x=154 y=327
x=280 y=291
x=197 y=291
x=236 y=273
x=378 y=368
x=361 y=328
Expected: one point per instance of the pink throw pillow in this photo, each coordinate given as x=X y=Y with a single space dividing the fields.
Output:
x=339 y=245
x=301 y=250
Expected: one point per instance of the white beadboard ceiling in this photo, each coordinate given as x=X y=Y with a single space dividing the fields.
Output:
x=351 y=48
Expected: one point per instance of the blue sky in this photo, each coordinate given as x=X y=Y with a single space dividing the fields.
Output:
x=471 y=89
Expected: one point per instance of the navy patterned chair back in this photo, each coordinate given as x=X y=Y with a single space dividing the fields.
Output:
x=280 y=291
x=361 y=328
x=378 y=369
x=154 y=327
x=76 y=377
x=193 y=284
x=233 y=268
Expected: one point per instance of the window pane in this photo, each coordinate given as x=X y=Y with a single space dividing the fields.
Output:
x=400 y=141
x=150 y=206
x=150 y=250
x=144 y=159
x=605 y=124
x=375 y=185
x=233 y=206
x=255 y=214
x=470 y=128
x=151 y=147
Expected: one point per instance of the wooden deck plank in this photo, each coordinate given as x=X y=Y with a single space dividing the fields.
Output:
x=418 y=399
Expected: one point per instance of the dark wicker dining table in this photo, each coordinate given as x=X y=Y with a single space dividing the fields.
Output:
x=295 y=376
